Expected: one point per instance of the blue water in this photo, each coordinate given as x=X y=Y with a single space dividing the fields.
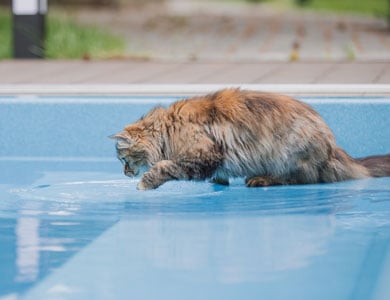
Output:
x=73 y=227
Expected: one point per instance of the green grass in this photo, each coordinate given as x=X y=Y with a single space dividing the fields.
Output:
x=5 y=36
x=66 y=39
x=367 y=7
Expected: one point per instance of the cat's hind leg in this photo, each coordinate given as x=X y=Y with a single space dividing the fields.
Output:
x=262 y=181
x=220 y=178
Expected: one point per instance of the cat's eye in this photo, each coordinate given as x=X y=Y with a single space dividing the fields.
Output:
x=123 y=160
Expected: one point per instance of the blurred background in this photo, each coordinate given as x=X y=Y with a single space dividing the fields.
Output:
x=217 y=30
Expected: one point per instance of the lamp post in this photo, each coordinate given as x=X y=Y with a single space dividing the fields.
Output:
x=29 y=28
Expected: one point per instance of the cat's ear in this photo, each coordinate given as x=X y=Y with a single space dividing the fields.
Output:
x=122 y=138
x=123 y=135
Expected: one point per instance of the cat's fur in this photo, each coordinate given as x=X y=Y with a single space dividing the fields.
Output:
x=268 y=138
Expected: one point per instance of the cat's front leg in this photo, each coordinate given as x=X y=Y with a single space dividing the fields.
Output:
x=160 y=173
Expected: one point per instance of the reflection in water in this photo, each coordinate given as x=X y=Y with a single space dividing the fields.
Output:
x=42 y=236
x=27 y=249
x=220 y=254
x=235 y=250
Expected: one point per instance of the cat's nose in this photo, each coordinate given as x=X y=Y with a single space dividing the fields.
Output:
x=129 y=172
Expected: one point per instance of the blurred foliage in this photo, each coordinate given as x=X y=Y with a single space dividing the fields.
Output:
x=5 y=35
x=66 y=39
x=372 y=7
x=302 y=2
x=367 y=7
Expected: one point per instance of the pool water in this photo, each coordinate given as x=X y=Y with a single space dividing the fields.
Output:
x=72 y=226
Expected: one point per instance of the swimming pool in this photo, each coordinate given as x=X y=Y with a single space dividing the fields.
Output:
x=73 y=227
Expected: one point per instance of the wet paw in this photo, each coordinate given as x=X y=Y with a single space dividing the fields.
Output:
x=148 y=182
x=142 y=187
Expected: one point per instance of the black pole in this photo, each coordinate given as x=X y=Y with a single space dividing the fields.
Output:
x=29 y=28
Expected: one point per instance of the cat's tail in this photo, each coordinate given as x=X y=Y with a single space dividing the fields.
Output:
x=343 y=167
x=378 y=166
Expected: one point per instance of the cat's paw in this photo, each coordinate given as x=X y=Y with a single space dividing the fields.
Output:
x=148 y=182
x=141 y=186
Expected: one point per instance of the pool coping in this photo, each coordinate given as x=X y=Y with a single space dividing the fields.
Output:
x=191 y=89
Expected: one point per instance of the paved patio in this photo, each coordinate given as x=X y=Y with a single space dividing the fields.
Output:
x=124 y=76
x=132 y=72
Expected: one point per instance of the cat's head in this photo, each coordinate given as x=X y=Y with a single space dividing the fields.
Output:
x=131 y=151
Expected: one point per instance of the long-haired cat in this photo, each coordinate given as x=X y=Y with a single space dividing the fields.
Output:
x=269 y=139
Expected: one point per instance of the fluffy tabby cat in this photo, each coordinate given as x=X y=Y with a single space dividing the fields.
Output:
x=269 y=139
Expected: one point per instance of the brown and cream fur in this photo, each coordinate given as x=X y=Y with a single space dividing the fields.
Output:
x=269 y=139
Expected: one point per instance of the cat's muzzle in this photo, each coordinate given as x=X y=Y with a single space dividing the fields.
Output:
x=129 y=171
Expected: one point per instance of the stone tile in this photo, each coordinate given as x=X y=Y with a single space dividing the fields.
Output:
x=384 y=76
x=31 y=71
x=122 y=72
x=242 y=73
x=188 y=73
x=348 y=73
x=296 y=73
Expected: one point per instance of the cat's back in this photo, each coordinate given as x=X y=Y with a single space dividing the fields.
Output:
x=238 y=106
x=210 y=108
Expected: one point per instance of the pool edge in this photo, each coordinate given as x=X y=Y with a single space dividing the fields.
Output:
x=192 y=89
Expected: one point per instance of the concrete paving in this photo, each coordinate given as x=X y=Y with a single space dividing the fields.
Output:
x=133 y=72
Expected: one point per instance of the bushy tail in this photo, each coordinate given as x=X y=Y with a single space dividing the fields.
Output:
x=378 y=166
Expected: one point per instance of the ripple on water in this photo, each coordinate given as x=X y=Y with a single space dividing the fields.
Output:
x=100 y=193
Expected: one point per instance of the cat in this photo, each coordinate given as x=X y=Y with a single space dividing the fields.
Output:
x=269 y=139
